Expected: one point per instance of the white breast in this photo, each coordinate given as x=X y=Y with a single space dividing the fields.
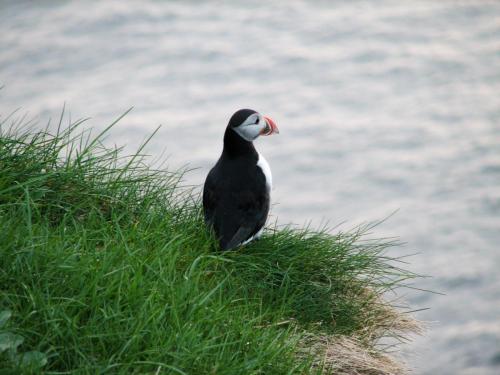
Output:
x=262 y=164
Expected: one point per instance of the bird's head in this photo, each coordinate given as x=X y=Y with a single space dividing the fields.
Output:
x=249 y=124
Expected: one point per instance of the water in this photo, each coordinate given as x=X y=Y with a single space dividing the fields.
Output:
x=381 y=106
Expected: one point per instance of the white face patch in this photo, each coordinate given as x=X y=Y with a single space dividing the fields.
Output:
x=252 y=127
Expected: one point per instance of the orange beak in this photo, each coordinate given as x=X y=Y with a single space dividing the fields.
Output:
x=270 y=128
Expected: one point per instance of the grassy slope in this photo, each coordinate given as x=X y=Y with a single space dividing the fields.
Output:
x=106 y=266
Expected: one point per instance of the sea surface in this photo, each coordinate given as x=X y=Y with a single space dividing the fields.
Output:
x=384 y=107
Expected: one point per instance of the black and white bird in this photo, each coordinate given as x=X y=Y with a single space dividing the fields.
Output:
x=236 y=194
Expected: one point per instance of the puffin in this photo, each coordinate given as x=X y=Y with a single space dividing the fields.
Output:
x=236 y=193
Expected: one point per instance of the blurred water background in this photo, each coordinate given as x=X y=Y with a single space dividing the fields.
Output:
x=381 y=106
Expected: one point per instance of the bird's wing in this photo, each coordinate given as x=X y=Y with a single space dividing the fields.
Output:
x=235 y=223
x=241 y=235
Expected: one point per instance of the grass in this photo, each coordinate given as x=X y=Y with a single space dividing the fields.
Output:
x=106 y=267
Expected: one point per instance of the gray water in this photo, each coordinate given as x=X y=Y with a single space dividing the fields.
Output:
x=382 y=106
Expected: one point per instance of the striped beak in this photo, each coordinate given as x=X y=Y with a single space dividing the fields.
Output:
x=270 y=127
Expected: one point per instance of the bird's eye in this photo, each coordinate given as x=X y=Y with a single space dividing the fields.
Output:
x=257 y=121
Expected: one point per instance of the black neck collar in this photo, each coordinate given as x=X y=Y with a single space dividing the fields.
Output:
x=235 y=146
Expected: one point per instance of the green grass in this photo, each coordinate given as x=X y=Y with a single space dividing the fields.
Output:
x=106 y=267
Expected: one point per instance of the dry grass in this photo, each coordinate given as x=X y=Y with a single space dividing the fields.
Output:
x=345 y=355
x=363 y=353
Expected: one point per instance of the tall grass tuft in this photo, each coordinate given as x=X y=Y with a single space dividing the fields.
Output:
x=106 y=267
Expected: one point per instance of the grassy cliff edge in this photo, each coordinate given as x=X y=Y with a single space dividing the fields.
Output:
x=106 y=267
